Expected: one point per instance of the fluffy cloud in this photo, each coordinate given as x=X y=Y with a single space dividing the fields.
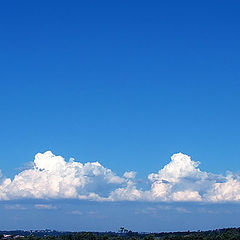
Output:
x=128 y=193
x=225 y=191
x=51 y=177
x=180 y=180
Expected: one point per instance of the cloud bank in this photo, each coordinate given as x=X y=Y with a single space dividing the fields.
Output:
x=51 y=177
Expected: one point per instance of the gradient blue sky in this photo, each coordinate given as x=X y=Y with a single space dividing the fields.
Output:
x=127 y=83
x=92 y=216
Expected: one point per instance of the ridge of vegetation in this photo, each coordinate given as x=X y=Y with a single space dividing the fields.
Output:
x=123 y=234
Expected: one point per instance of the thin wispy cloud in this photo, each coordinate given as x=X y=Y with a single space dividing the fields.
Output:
x=51 y=177
x=76 y=212
x=14 y=207
x=45 y=206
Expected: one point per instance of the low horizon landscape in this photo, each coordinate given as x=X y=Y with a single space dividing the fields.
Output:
x=226 y=233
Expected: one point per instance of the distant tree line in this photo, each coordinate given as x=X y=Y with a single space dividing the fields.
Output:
x=222 y=234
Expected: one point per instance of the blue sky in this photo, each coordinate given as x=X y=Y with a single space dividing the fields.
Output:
x=125 y=83
x=155 y=217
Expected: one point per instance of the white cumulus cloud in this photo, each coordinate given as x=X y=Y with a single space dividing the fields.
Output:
x=52 y=177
